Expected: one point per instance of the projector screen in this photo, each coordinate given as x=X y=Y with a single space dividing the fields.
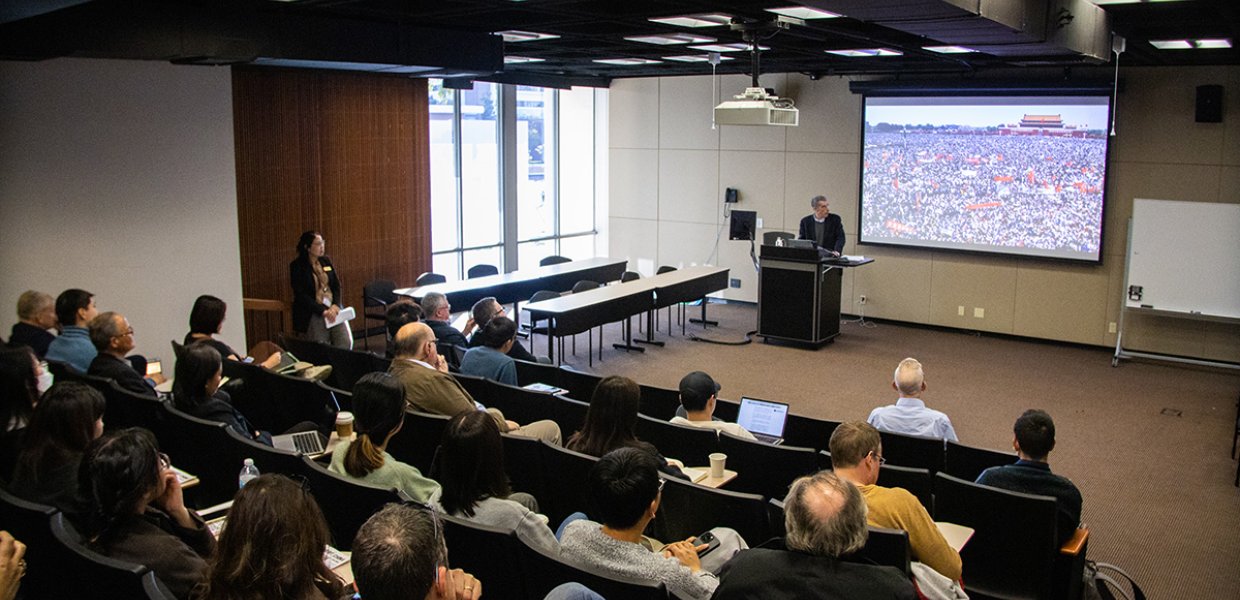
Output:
x=1021 y=175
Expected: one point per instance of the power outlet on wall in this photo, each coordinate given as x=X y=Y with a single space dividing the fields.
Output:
x=734 y=282
x=862 y=299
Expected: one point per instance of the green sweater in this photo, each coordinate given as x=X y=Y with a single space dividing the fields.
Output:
x=393 y=474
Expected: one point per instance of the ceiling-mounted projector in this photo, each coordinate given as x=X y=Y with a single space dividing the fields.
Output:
x=756 y=106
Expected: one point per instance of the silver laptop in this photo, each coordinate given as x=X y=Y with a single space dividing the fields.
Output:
x=305 y=442
x=764 y=419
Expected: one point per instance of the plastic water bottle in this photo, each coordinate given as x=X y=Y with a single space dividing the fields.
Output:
x=248 y=472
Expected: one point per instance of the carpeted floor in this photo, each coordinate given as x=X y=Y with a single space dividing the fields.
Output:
x=1158 y=491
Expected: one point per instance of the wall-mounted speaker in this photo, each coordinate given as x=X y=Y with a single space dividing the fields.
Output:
x=1209 y=104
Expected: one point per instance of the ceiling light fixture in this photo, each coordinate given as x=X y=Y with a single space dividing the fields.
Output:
x=627 y=61
x=725 y=48
x=864 y=52
x=699 y=20
x=513 y=36
x=949 y=49
x=1213 y=43
x=670 y=39
x=1172 y=44
x=694 y=58
x=804 y=12
x=517 y=60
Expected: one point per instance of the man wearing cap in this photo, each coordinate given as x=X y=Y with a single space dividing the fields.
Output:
x=697 y=397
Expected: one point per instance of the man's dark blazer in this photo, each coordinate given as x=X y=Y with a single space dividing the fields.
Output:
x=833 y=237
x=771 y=574
x=121 y=371
x=301 y=277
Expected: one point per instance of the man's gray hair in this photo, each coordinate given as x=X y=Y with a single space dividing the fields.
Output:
x=909 y=376
x=431 y=303
x=813 y=202
x=825 y=516
x=397 y=553
x=31 y=303
x=103 y=328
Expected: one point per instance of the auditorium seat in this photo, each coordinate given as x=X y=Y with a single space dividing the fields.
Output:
x=543 y=572
x=274 y=402
x=763 y=468
x=488 y=553
x=348 y=366
x=917 y=481
x=885 y=547
x=688 y=444
x=88 y=574
x=266 y=458
x=523 y=463
x=416 y=442
x=570 y=415
x=30 y=523
x=809 y=432
x=580 y=385
x=688 y=509
x=658 y=402
x=202 y=448
x=967 y=462
x=913 y=451
x=346 y=503
x=566 y=472
x=127 y=409
x=521 y=405
x=536 y=372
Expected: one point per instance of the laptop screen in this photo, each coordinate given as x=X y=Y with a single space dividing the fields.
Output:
x=763 y=416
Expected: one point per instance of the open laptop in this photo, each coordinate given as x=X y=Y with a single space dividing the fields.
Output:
x=764 y=419
x=305 y=442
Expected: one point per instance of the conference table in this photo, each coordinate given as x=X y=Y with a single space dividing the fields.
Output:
x=580 y=312
x=519 y=285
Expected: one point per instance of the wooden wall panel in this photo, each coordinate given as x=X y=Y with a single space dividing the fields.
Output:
x=341 y=153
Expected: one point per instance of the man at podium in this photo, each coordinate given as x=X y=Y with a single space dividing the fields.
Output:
x=824 y=228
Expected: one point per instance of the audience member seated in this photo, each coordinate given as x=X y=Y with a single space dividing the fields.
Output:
x=491 y=359
x=438 y=315
x=470 y=466
x=1034 y=440
x=277 y=548
x=909 y=414
x=399 y=314
x=21 y=377
x=196 y=391
x=399 y=554
x=12 y=565
x=429 y=387
x=857 y=456
x=206 y=319
x=624 y=488
x=74 y=310
x=67 y=419
x=379 y=412
x=824 y=516
x=697 y=395
x=36 y=315
x=137 y=511
x=486 y=309
x=113 y=338
x=610 y=422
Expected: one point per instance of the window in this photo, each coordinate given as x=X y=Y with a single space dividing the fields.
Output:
x=553 y=153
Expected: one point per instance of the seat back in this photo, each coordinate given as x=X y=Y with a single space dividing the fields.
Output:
x=522 y=405
x=1013 y=548
x=89 y=574
x=918 y=482
x=346 y=503
x=554 y=259
x=585 y=285
x=775 y=517
x=967 y=462
x=566 y=492
x=202 y=448
x=275 y=402
x=64 y=371
x=690 y=445
x=155 y=589
x=570 y=415
x=580 y=385
x=688 y=509
x=348 y=366
x=30 y=523
x=628 y=276
x=481 y=271
x=543 y=572
x=429 y=278
x=417 y=440
x=523 y=462
x=665 y=269
x=178 y=349
x=808 y=432
x=535 y=372
x=913 y=451
x=127 y=409
x=378 y=292
x=488 y=553
x=266 y=458
x=659 y=402
x=765 y=469
x=886 y=547
x=480 y=389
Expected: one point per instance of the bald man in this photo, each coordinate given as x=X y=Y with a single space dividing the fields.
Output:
x=430 y=388
x=909 y=415
x=825 y=519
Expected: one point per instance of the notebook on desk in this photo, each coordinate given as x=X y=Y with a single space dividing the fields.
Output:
x=764 y=419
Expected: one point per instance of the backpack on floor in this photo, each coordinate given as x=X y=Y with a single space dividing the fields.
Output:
x=1103 y=582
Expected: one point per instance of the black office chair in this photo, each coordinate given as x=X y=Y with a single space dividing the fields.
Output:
x=763 y=468
x=554 y=259
x=376 y=294
x=628 y=276
x=917 y=481
x=477 y=271
x=913 y=451
x=967 y=462
x=429 y=278
x=416 y=442
x=85 y=573
x=533 y=327
x=346 y=503
x=690 y=445
x=688 y=509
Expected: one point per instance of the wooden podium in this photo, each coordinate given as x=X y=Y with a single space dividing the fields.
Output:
x=799 y=295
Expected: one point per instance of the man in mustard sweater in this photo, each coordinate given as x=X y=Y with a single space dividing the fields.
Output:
x=857 y=455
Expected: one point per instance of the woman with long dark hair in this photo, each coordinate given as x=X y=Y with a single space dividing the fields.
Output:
x=68 y=418
x=470 y=466
x=277 y=548
x=206 y=319
x=21 y=377
x=316 y=293
x=611 y=420
x=379 y=412
x=138 y=513
x=196 y=391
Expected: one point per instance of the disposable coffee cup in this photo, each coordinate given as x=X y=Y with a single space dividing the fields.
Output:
x=717 y=461
x=344 y=424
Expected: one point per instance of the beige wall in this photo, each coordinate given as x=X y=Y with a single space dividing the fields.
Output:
x=669 y=170
x=117 y=177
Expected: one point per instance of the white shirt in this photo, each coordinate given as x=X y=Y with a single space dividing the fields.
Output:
x=910 y=416
x=731 y=428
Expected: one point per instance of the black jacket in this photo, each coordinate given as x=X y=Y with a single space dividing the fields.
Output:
x=121 y=371
x=771 y=574
x=833 y=238
x=301 y=277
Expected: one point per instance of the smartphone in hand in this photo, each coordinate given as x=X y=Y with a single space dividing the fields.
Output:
x=709 y=539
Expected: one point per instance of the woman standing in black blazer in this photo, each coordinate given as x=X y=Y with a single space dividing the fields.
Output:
x=316 y=294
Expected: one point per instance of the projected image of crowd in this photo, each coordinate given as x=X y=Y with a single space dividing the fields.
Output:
x=1012 y=188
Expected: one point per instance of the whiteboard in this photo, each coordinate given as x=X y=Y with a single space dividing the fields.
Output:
x=1185 y=256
